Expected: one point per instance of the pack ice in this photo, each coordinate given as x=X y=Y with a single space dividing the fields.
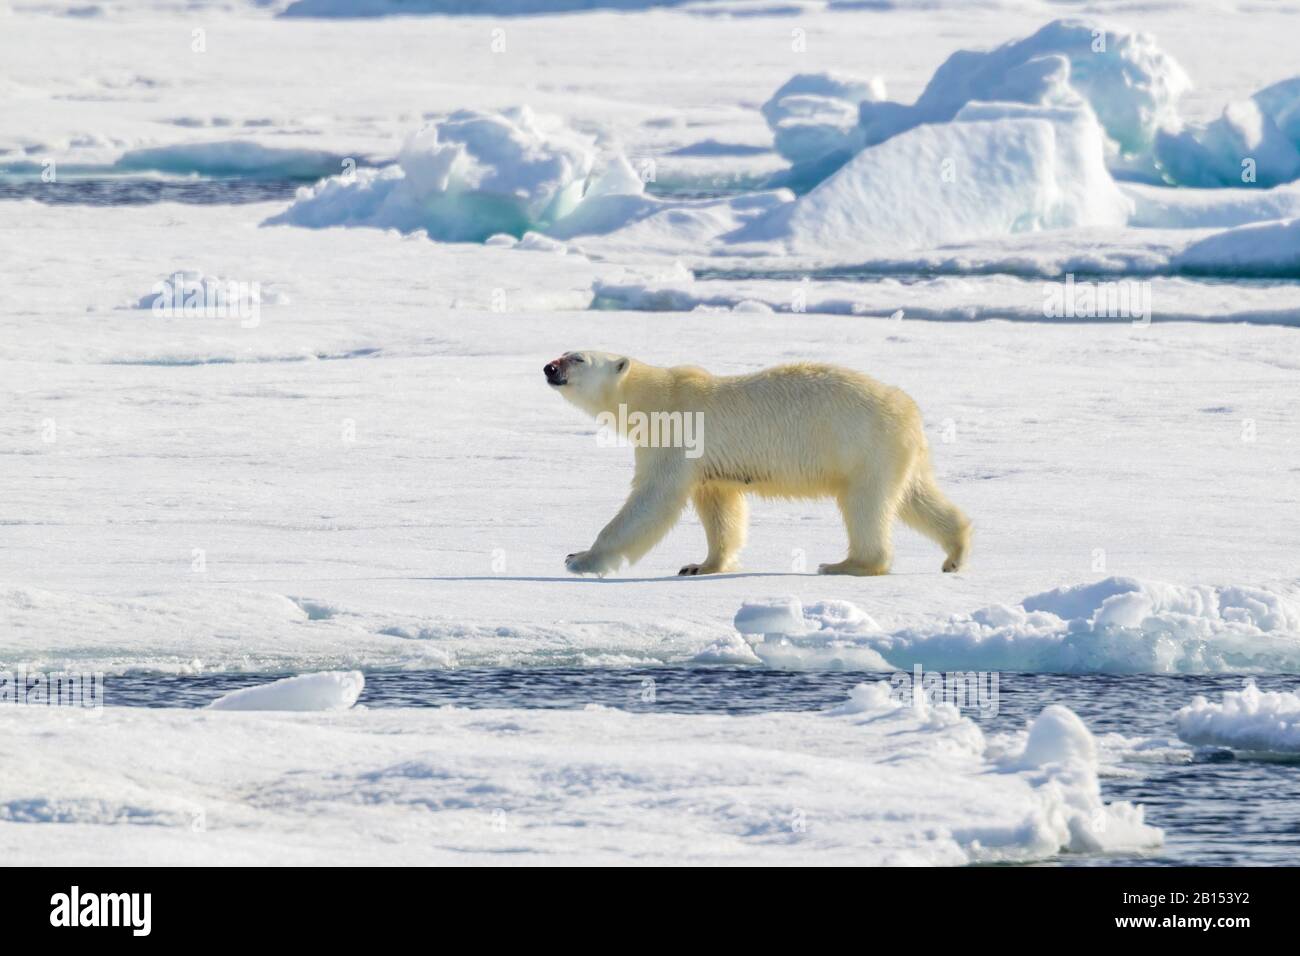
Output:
x=1055 y=131
x=876 y=781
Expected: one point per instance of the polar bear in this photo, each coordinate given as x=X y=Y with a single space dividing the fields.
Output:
x=794 y=431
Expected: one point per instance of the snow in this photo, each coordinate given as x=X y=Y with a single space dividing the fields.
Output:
x=190 y=293
x=876 y=783
x=962 y=298
x=329 y=690
x=1248 y=719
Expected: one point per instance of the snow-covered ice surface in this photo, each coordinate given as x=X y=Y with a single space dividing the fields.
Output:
x=877 y=782
x=364 y=471
x=374 y=474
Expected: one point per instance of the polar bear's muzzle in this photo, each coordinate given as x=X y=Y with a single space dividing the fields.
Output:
x=555 y=373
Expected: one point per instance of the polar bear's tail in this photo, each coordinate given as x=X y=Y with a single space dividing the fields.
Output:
x=926 y=509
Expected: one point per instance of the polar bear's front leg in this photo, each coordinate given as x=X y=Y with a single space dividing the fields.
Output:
x=650 y=511
x=589 y=562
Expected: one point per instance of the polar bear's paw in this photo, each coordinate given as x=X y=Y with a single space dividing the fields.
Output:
x=590 y=562
x=691 y=570
x=860 y=568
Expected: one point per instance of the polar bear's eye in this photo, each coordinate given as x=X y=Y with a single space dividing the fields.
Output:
x=579 y=359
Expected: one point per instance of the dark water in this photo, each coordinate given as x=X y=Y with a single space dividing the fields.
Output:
x=118 y=190
x=1216 y=809
x=693 y=191
x=138 y=192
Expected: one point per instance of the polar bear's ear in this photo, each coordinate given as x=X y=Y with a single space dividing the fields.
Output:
x=621 y=367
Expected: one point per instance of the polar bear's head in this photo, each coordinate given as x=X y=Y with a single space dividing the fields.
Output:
x=590 y=380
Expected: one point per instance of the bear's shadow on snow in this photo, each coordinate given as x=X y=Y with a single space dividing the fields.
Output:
x=586 y=579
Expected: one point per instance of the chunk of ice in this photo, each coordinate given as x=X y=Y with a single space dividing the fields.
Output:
x=327 y=690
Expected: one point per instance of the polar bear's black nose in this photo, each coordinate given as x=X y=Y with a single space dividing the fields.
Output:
x=553 y=374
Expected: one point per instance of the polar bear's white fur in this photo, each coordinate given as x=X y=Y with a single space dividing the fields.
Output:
x=794 y=431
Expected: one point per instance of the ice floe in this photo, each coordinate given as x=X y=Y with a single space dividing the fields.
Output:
x=1113 y=625
x=1249 y=719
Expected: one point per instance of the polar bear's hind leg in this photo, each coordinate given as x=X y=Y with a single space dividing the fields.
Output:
x=725 y=516
x=869 y=513
x=926 y=509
